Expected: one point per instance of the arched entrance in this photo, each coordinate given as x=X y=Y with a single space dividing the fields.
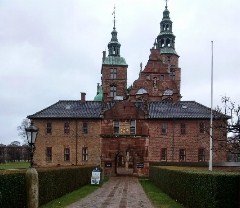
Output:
x=124 y=163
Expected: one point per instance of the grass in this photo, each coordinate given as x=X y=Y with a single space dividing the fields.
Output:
x=71 y=197
x=157 y=197
x=14 y=165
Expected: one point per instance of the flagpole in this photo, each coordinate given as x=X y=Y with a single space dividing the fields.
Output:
x=211 y=118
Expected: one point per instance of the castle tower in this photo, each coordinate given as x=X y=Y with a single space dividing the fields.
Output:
x=114 y=70
x=161 y=78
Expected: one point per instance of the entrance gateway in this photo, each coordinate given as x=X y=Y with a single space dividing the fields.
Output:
x=126 y=162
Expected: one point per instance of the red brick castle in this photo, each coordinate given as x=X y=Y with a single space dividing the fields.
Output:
x=126 y=128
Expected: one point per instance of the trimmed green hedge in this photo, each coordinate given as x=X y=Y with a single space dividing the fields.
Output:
x=53 y=183
x=199 y=189
x=58 y=182
x=12 y=189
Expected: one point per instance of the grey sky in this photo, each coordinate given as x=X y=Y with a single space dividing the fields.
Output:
x=51 y=50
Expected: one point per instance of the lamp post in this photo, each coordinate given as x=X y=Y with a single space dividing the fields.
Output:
x=31 y=133
x=31 y=174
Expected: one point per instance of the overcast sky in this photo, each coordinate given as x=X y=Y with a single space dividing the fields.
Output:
x=51 y=50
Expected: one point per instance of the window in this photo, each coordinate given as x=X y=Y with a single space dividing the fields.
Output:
x=49 y=154
x=116 y=127
x=113 y=73
x=66 y=154
x=49 y=128
x=161 y=77
x=182 y=155
x=84 y=153
x=66 y=128
x=172 y=74
x=84 y=127
x=113 y=91
x=183 y=128
x=201 y=154
x=202 y=127
x=164 y=128
x=164 y=154
x=132 y=127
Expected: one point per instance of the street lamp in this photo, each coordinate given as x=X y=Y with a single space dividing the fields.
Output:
x=31 y=133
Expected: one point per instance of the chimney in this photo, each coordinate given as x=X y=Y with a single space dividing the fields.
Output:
x=83 y=95
x=104 y=56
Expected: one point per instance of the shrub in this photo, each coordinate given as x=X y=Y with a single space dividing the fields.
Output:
x=12 y=189
x=54 y=183
x=199 y=189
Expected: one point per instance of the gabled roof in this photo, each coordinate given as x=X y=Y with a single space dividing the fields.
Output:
x=180 y=110
x=70 y=109
x=156 y=110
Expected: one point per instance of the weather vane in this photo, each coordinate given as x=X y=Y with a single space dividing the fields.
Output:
x=114 y=13
x=166 y=3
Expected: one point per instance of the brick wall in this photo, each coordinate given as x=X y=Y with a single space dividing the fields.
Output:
x=75 y=140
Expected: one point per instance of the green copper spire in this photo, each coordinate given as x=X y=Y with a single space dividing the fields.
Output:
x=166 y=38
x=114 y=45
x=114 y=57
x=99 y=95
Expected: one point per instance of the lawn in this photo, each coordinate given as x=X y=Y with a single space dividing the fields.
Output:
x=156 y=196
x=14 y=165
x=71 y=197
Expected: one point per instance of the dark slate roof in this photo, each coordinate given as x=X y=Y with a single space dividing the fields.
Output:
x=156 y=110
x=180 y=110
x=70 y=109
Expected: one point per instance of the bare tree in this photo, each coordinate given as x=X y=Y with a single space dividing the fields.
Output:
x=232 y=127
x=21 y=129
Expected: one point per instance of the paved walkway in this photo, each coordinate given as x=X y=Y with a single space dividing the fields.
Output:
x=118 y=192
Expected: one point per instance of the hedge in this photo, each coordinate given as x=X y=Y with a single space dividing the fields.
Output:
x=53 y=183
x=12 y=189
x=58 y=182
x=198 y=189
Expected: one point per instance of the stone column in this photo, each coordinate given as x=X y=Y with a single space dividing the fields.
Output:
x=32 y=188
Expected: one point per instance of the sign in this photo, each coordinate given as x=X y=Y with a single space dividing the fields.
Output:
x=96 y=176
x=140 y=165
x=108 y=165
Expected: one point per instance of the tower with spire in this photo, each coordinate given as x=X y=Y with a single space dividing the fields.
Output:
x=166 y=38
x=114 y=69
x=161 y=78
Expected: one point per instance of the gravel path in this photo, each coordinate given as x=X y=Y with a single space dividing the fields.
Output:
x=118 y=192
